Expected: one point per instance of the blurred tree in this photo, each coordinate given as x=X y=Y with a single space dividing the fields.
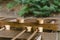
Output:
x=39 y=8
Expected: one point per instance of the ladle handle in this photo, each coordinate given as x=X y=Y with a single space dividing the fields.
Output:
x=18 y=35
x=32 y=35
x=2 y=29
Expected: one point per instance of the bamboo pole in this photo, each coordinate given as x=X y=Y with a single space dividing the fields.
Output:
x=32 y=35
x=18 y=35
x=2 y=29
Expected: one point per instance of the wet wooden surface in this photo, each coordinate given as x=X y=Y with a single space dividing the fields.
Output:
x=8 y=34
x=12 y=33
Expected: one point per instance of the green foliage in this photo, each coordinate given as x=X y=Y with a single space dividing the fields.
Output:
x=57 y=2
x=0 y=7
x=45 y=8
x=37 y=7
x=53 y=7
x=11 y=5
x=1 y=0
x=23 y=10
